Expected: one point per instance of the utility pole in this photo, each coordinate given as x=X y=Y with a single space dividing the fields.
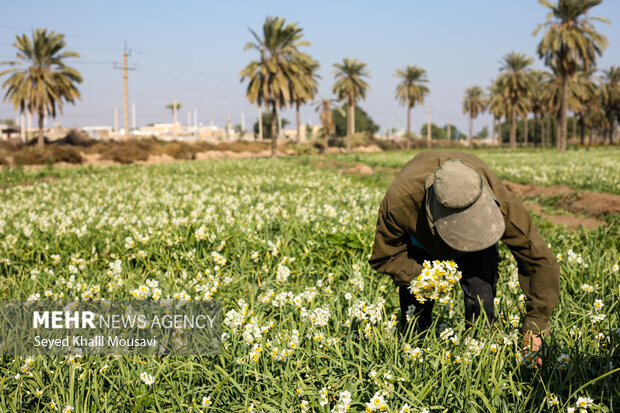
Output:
x=428 y=128
x=125 y=94
x=189 y=120
x=115 y=123
x=195 y=123
x=242 y=123
x=449 y=131
x=125 y=90
x=260 y=123
x=228 y=127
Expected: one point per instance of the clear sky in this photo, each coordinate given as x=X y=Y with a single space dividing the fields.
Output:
x=192 y=51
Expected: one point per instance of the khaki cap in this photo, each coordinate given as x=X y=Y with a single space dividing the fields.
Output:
x=461 y=207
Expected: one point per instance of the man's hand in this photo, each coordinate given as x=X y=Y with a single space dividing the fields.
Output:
x=533 y=343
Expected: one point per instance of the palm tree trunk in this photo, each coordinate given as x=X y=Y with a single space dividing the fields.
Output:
x=494 y=128
x=542 y=131
x=525 y=131
x=351 y=124
x=260 y=123
x=41 y=140
x=499 y=133
x=408 y=127
x=558 y=132
x=298 y=124
x=582 y=131
x=513 y=130
x=274 y=131
x=471 y=131
x=574 y=126
x=563 y=112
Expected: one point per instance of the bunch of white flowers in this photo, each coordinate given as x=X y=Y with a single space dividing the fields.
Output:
x=435 y=281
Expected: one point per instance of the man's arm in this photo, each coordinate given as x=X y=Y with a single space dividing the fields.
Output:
x=539 y=273
x=390 y=250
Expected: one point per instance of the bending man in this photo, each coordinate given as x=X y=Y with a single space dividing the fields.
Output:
x=449 y=205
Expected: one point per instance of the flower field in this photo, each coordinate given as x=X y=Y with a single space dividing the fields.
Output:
x=308 y=326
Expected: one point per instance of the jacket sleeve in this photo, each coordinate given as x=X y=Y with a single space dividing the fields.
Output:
x=390 y=250
x=539 y=273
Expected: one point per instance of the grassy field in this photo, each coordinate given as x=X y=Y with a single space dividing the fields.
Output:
x=308 y=325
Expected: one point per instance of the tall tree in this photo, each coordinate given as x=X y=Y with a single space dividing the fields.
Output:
x=411 y=90
x=350 y=87
x=610 y=93
x=327 y=119
x=570 y=39
x=498 y=108
x=305 y=86
x=40 y=80
x=174 y=108
x=537 y=103
x=515 y=81
x=280 y=65
x=474 y=103
x=577 y=93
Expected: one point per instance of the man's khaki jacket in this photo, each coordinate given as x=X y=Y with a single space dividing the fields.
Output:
x=402 y=213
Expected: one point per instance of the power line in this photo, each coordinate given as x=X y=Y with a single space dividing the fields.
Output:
x=80 y=36
x=177 y=60
x=184 y=83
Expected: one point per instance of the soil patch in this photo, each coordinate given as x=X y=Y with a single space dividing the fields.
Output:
x=591 y=203
x=570 y=221
x=360 y=169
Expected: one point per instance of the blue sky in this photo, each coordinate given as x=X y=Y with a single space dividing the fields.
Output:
x=192 y=51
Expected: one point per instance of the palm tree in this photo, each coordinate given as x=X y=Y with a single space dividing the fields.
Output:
x=327 y=119
x=272 y=76
x=41 y=80
x=569 y=40
x=537 y=103
x=474 y=103
x=610 y=89
x=351 y=87
x=594 y=113
x=498 y=108
x=174 y=108
x=515 y=86
x=305 y=86
x=578 y=92
x=411 y=90
x=587 y=94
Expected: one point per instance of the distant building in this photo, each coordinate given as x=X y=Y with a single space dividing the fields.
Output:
x=99 y=132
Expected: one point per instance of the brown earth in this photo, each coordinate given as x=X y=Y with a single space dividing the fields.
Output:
x=591 y=203
x=360 y=169
x=570 y=221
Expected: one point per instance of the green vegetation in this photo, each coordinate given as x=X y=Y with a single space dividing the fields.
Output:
x=363 y=122
x=308 y=323
x=350 y=87
x=570 y=40
x=411 y=90
x=41 y=80
x=591 y=169
x=283 y=75
x=474 y=103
